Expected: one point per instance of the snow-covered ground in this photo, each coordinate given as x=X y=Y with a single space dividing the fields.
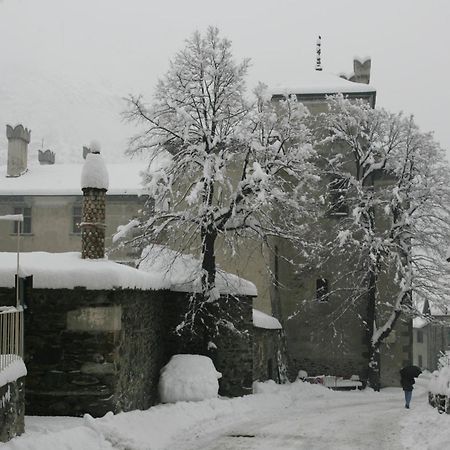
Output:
x=296 y=416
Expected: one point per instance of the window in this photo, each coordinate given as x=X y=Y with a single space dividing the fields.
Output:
x=25 y=226
x=420 y=337
x=338 y=189
x=322 y=290
x=77 y=214
x=420 y=361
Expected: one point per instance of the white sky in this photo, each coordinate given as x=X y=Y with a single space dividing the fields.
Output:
x=88 y=50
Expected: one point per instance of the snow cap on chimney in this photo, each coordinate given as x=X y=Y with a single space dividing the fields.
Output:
x=94 y=173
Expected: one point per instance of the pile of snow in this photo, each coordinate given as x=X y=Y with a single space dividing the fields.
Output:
x=188 y=378
x=263 y=320
x=440 y=382
x=13 y=371
x=94 y=173
x=182 y=272
x=69 y=270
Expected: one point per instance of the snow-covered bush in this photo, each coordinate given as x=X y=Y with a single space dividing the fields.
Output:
x=302 y=374
x=188 y=378
x=440 y=381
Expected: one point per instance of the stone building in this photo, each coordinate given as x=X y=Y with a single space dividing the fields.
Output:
x=312 y=344
x=431 y=336
x=324 y=336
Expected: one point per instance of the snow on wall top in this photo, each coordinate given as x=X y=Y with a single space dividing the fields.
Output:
x=319 y=82
x=94 y=173
x=182 y=272
x=263 y=320
x=13 y=371
x=68 y=270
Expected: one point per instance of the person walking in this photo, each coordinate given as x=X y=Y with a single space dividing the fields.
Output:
x=407 y=375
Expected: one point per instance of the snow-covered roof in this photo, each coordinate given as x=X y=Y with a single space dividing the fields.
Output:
x=320 y=82
x=182 y=272
x=263 y=320
x=419 y=322
x=68 y=270
x=64 y=179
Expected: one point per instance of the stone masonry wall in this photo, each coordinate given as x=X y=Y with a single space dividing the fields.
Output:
x=267 y=350
x=233 y=357
x=12 y=410
x=99 y=351
x=93 y=351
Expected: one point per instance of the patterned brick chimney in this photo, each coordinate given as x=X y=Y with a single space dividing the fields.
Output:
x=18 y=140
x=94 y=184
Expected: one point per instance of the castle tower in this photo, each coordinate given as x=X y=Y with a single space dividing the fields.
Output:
x=94 y=184
x=18 y=140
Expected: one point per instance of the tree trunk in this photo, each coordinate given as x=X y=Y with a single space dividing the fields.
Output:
x=209 y=260
x=373 y=375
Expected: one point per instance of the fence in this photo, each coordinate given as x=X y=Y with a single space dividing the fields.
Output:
x=11 y=335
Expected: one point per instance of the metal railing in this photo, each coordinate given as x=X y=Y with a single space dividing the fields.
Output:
x=11 y=335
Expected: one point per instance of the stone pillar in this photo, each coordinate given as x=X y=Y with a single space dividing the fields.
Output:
x=18 y=140
x=94 y=184
x=93 y=224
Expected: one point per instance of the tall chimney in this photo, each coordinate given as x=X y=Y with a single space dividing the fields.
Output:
x=94 y=184
x=361 y=69
x=18 y=140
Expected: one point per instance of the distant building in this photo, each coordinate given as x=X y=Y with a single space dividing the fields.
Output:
x=431 y=336
x=49 y=197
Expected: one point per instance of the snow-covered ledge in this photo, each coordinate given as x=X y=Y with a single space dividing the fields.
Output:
x=13 y=371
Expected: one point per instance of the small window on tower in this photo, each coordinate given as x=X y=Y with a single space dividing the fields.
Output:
x=322 y=290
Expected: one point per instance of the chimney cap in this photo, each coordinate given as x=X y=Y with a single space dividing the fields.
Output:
x=18 y=132
x=94 y=174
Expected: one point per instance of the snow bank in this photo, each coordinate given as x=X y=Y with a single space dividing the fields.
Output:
x=15 y=370
x=188 y=378
x=77 y=438
x=440 y=382
x=94 y=173
x=68 y=270
x=182 y=272
x=263 y=320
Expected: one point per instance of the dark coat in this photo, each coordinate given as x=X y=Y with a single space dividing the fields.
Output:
x=407 y=383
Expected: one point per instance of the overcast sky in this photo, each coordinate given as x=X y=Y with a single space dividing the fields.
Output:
x=89 y=49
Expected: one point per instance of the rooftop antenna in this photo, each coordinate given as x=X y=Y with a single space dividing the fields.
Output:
x=318 y=53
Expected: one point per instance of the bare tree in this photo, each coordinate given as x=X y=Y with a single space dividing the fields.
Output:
x=392 y=184
x=232 y=163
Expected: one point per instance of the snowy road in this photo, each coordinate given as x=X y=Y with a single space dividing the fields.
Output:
x=341 y=425
x=297 y=416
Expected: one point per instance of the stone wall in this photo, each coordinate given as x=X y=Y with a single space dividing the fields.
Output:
x=12 y=410
x=93 y=351
x=99 y=351
x=233 y=356
x=269 y=358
